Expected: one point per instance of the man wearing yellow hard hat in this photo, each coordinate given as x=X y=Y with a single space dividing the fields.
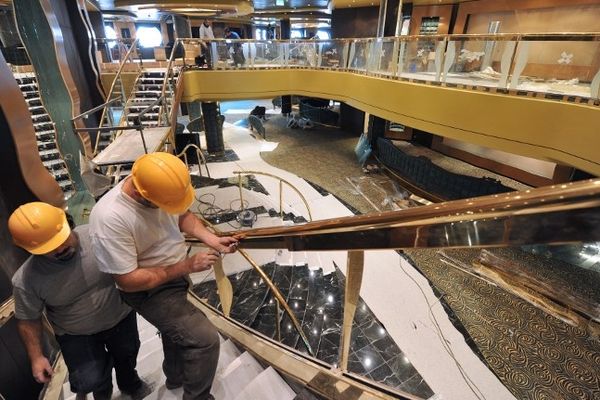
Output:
x=94 y=328
x=137 y=234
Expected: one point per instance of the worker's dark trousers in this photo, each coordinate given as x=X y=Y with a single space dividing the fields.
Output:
x=190 y=341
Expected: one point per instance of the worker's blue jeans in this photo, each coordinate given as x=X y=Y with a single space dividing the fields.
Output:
x=90 y=359
x=190 y=341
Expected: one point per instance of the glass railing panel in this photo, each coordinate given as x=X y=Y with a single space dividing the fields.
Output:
x=359 y=55
x=383 y=55
x=332 y=54
x=563 y=68
x=421 y=58
x=230 y=54
x=303 y=54
x=478 y=62
x=268 y=54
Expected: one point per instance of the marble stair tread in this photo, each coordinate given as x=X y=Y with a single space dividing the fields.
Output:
x=248 y=300
x=267 y=318
x=332 y=319
x=312 y=323
x=296 y=299
x=268 y=385
x=234 y=378
x=227 y=354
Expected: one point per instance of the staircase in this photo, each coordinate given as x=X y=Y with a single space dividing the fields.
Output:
x=239 y=375
x=146 y=89
x=317 y=301
x=45 y=133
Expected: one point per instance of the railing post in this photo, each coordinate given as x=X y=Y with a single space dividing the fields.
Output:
x=354 y=272
x=281 y=198
x=506 y=63
x=394 y=61
x=240 y=187
x=440 y=48
x=519 y=63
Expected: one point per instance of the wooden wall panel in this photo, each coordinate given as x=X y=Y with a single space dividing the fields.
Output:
x=419 y=12
x=472 y=8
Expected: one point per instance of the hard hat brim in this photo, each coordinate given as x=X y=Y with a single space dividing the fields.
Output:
x=182 y=206
x=53 y=243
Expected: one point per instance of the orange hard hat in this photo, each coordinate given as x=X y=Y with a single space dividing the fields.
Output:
x=39 y=227
x=164 y=180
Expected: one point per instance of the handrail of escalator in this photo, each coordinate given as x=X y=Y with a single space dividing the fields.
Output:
x=556 y=214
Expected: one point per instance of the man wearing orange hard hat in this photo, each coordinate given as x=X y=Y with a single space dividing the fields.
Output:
x=94 y=328
x=137 y=233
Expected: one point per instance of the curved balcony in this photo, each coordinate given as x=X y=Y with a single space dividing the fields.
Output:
x=517 y=93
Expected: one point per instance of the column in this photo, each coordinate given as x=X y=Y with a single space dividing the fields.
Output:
x=286 y=101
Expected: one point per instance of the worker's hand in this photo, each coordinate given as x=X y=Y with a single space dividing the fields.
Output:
x=203 y=261
x=41 y=369
x=225 y=244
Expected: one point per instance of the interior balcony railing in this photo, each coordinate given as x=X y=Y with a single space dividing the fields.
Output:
x=557 y=66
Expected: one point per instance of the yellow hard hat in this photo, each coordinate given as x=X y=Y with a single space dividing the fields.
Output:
x=164 y=180
x=39 y=227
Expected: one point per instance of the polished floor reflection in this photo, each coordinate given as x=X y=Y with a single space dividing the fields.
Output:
x=317 y=302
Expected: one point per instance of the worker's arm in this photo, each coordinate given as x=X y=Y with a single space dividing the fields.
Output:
x=150 y=277
x=31 y=335
x=193 y=226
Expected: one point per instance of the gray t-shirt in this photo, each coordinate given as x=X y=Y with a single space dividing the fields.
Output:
x=126 y=235
x=78 y=298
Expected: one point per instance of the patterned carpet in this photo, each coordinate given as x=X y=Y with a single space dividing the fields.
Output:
x=535 y=355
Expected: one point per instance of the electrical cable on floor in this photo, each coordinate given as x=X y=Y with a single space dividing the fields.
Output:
x=213 y=211
x=470 y=384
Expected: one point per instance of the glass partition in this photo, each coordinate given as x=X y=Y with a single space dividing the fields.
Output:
x=564 y=67
x=303 y=54
x=561 y=65
x=333 y=54
x=359 y=55
x=478 y=62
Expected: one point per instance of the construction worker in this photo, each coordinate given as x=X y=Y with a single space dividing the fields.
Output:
x=94 y=328
x=137 y=233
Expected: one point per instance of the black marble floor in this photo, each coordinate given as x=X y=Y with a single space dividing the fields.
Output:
x=317 y=302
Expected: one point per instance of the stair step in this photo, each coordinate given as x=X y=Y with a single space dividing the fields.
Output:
x=228 y=353
x=239 y=373
x=268 y=385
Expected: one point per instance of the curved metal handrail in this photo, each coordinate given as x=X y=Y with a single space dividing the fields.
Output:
x=281 y=181
x=199 y=154
x=278 y=296
x=556 y=214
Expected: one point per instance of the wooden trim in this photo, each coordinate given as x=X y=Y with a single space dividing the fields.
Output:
x=36 y=176
x=53 y=390
x=7 y=310
x=491 y=6
x=497 y=167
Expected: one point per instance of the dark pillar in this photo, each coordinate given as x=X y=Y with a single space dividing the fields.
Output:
x=286 y=101
x=351 y=119
x=213 y=126
x=376 y=130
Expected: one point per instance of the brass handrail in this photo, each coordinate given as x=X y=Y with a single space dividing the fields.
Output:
x=270 y=284
x=563 y=213
x=245 y=173
x=199 y=154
